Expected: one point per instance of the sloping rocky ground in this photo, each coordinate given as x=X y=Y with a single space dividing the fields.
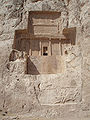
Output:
x=19 y=93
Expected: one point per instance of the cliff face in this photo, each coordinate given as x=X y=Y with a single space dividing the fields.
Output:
x=43 y=95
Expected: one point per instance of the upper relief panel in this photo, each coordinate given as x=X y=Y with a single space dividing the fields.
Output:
x=44 y=23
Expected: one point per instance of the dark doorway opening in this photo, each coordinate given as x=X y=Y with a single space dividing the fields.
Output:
x=45 y=51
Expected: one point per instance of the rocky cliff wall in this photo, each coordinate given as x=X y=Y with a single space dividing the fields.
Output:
x=61 y=94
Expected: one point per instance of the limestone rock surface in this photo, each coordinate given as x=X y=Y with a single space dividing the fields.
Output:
x=54 y=96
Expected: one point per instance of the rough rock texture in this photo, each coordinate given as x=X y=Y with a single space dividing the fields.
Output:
x=54 y=96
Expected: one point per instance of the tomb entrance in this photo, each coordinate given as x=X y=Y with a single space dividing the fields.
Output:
x=45 y=51
x=43 y=41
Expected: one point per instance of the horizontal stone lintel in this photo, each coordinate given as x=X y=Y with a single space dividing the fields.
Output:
x=29 y=36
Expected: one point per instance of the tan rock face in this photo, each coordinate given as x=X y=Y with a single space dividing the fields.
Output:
x=64 y=94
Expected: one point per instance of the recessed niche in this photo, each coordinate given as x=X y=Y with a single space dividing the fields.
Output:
x=43 y=41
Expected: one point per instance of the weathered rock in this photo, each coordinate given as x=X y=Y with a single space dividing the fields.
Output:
x=54 y=96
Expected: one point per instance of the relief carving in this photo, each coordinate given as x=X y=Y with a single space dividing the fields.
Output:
x=43 y=41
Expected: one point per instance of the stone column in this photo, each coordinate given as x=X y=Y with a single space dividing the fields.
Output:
x=59 y=47
x=62 y=47
x=49 y=48
x=30 y=51
x=40 y=45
